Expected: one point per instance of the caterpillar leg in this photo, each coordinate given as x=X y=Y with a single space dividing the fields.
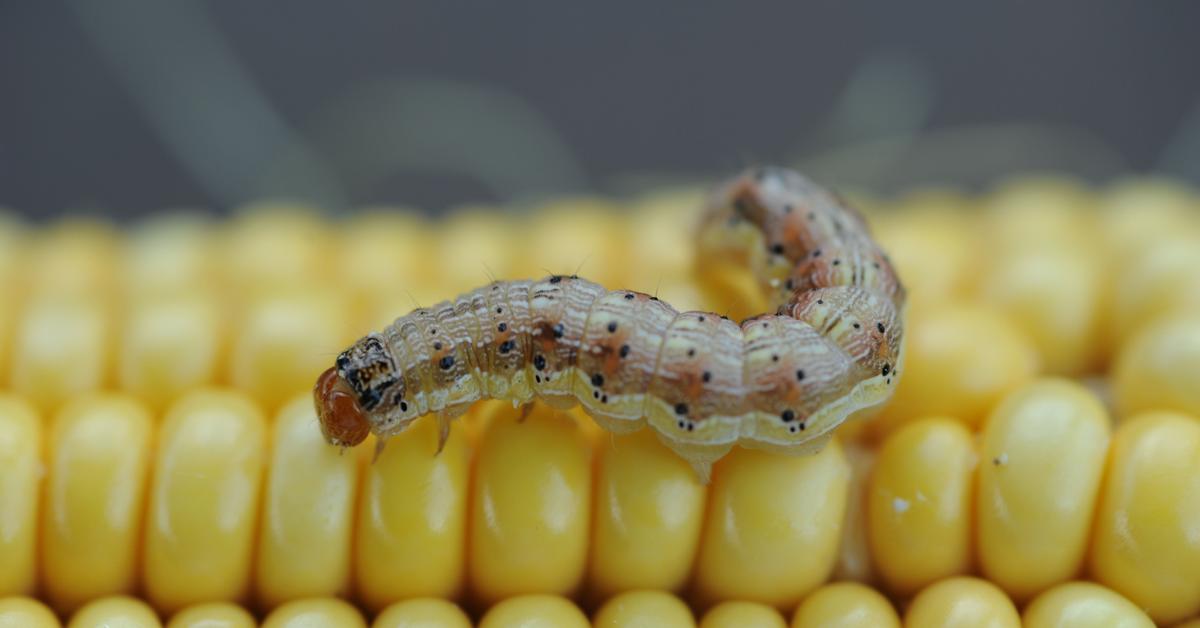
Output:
x=526 y=410
x=444 y=419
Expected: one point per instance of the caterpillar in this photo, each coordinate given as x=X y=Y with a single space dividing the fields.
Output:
x=780 y=382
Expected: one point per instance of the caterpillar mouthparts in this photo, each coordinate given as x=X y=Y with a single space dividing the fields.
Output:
x=781 y=382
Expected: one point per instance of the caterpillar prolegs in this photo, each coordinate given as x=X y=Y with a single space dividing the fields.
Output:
x=781 y=382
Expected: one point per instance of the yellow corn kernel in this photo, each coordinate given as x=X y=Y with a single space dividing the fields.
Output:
x=380 y=250
x=212 y=615
x=773 y=524
x=919 y=504
x=492 y=239
x=169 y=345
x=634 y=609
x=315 y=612
x=661 y=232
x=412 y=517
x=25 y=612
x=203 y=501
x=933 y=247
x=1161 y=281
x=60 y=349
x=961 y=602
x=1039 y=211
x=20 y=483
x=1145 y=545
x=534 y=611
x=854 y=550
x=1159 y=368
x=589 y=427
x=170 y=254
x=422 y=613
x=580 y=235
x=74 y=259
x=271 y=246
x=1043 y=452
x=1138 y=212
x=959 y=361
x=99 y=459
x=1054 y=296
x=1083 y=605
x=118 y=610
x=742 y=615
x=649 y=511
x=285 y=341
x=530 y=506
x=307 y=519
x=846 y=605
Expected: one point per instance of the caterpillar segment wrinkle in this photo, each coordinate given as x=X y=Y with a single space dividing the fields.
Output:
x=780 y=382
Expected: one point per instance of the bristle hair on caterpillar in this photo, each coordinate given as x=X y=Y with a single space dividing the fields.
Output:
x=779 y=381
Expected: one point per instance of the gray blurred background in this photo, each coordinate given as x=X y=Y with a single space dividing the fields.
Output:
x=132 y=106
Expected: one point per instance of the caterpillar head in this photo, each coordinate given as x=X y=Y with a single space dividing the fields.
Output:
x=347 y=393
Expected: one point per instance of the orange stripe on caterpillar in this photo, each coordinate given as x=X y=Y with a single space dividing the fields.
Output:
x=781 y=382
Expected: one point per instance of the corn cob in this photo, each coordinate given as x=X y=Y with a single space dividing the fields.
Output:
x=158 y=439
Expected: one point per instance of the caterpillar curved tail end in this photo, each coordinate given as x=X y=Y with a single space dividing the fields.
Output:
x=780 y=381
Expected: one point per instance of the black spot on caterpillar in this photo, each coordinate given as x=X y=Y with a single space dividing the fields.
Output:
x=781 y=382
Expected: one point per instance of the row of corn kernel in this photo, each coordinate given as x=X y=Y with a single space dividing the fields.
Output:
x=951 y=602
x=263 y=301
x=960 y=357
x=1079 y=274
x=1039 y=497
x=220 y=505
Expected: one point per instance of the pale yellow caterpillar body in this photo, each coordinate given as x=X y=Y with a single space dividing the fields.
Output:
x=781 y=382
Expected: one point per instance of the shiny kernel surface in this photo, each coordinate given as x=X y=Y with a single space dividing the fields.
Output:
x=742 y=615
x=1042 y=454
x=95 y=496
x=634 y=609
x=649 y=512
x=919 y=503
x=960 y=359
x=773 y=525
x=1159 y=282
x=1145 y=544
x=112 y=612
x=412 y=518
x=846 y=605
x=1083 y=605
x=203 y=502
x=213 y=615
x=534 y=611
x=314 y=612
x=60 y=349
x=530 y=506
x=308 y=502
x=169 y=345
x=26 y=612
x=1053 y=294
x=961 y=602
x=1159 y=368
x=422 y=613
x=284 y=341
